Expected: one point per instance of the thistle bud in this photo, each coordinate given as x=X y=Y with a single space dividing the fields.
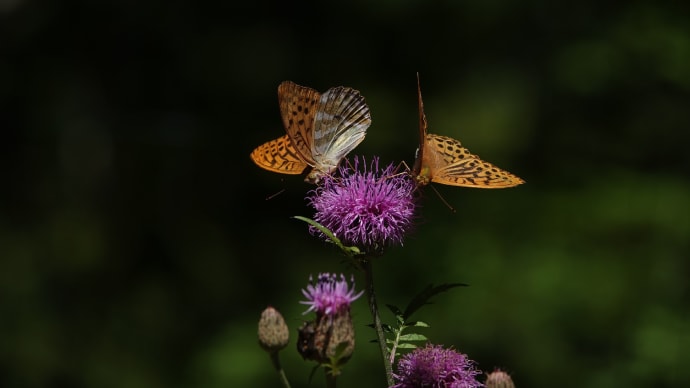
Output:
x=499 y=379
x=273 y=332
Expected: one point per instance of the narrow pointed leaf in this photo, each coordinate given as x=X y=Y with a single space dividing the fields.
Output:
x=349 y=251
x=425 y=295
x=394 y=309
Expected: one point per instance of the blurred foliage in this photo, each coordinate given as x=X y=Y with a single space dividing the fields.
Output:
x=138 y=249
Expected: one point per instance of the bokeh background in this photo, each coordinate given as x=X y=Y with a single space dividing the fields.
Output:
x=138 y=247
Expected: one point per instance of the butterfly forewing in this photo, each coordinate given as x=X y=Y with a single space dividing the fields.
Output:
x=298 y=106
x=417 y=168
x=279 y=156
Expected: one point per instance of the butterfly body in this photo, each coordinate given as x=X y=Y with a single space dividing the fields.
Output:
x=444 y=160
x=321 y=130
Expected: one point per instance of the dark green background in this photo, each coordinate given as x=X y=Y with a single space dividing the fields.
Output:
x=137 y=247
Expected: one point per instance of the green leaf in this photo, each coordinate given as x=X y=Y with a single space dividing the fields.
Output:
x=413 y=337
x=349 y=251
x=339 y=350
x=405 y=345
x=335 y=363
x=394 y=309
x=419 y=324
x=427 y=293
x=323 y=230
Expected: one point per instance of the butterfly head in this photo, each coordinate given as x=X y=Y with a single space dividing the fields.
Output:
x=423 y=177
x=316 y=175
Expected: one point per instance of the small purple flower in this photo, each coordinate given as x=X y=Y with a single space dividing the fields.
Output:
x=329 y=295
x=434 y=366
x=370 y=209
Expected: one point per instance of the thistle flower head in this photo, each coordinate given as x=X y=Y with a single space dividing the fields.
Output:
x=330 y=294
x=330 y=338
x=366 y=206
x=434 y=366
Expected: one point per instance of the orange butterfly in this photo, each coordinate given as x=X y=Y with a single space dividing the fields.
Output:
x=321 y=130
x=444 y=160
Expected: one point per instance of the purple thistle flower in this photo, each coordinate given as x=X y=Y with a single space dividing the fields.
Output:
x=329 y=295
x=370 y=209
x=434 y=366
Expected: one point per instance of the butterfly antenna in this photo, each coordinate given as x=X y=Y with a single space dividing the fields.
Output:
x=396 y=171
x=349 y=163
x=451 y=208
x=401 y=166
x=275 y=195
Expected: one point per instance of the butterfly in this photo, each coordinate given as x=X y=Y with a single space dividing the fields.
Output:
x=321 y=130
x=444 y=160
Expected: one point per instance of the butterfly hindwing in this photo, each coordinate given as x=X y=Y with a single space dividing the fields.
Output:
x=455 y=165
x=279 y=156
x=340 y=125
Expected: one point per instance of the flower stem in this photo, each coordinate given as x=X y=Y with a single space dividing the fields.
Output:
x=281 y=372
x=330 y=379
x=371 y=296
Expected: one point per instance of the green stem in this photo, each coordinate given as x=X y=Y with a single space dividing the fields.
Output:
x=330 y=379
x=281 y=373
x=394 y=347
x=371 y=296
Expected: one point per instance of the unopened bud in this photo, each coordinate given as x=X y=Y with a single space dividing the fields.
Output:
x=273 y=332
x=499 y=379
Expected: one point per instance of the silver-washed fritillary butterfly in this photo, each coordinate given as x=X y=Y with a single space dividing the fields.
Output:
x=444 y=160
x=321 y=130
